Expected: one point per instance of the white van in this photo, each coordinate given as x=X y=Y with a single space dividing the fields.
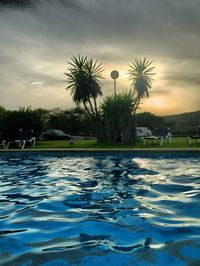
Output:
x=143 y=132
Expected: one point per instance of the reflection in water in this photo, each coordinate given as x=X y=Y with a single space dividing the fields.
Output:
x=102 y=209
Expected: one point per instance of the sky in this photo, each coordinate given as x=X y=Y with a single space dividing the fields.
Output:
x=38 y=38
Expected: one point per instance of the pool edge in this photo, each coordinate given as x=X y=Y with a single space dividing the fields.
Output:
x=102 y=149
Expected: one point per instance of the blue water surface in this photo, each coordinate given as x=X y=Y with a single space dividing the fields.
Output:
x=99 y=209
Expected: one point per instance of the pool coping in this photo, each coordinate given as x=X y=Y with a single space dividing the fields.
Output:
x=102 y=149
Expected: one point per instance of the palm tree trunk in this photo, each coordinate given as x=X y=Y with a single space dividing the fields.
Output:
x=137 y=103
x=134 y=124
x=100 y=130
x=129 y=131
x=91 y=107
x=95 y=106
x=87 y=109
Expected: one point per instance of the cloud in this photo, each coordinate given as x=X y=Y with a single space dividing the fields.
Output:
x=37 y=82
x=183 y=73
x=183 y=79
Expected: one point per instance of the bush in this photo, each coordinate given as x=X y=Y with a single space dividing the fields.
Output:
x=72 y=121
x=12 y=121
x=149 y=120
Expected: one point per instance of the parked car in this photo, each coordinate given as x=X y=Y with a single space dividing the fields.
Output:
x=56 y=134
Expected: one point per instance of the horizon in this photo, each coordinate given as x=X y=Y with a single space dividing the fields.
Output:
x=38 y=38
x=73 y=107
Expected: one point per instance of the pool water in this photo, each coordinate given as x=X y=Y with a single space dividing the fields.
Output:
x=99 y=209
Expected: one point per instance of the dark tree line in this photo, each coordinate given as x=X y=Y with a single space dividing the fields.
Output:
x=74 y=121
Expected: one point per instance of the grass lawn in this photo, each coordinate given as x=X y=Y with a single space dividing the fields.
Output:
x=176 y=143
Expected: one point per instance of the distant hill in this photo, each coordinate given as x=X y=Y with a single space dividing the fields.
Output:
x=185 y=123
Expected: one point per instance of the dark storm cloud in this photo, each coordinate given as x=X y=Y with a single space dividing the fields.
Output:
x=17 y=3
x=22 y=4
x=153 y=28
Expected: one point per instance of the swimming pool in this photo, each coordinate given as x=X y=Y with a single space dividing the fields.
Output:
x=99 y=208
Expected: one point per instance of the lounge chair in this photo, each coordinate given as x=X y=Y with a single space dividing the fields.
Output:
x=7 y=143
x=195 y=137
x=160 y=134
x=25 y=136
x=1 y=141
x=2 y=144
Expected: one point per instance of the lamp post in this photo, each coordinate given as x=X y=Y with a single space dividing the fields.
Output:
x=114 y=75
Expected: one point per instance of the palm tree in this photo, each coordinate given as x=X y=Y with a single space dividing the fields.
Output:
x=83 y=82
x=140 y=75
x=117 y=111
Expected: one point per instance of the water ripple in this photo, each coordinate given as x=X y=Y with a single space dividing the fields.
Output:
x=101 y=209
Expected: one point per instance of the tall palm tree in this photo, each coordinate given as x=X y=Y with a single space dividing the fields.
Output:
x=140 y=75
x=83 y=81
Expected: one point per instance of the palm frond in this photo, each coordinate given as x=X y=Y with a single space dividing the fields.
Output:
x=83 y=77
x=140 y=76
